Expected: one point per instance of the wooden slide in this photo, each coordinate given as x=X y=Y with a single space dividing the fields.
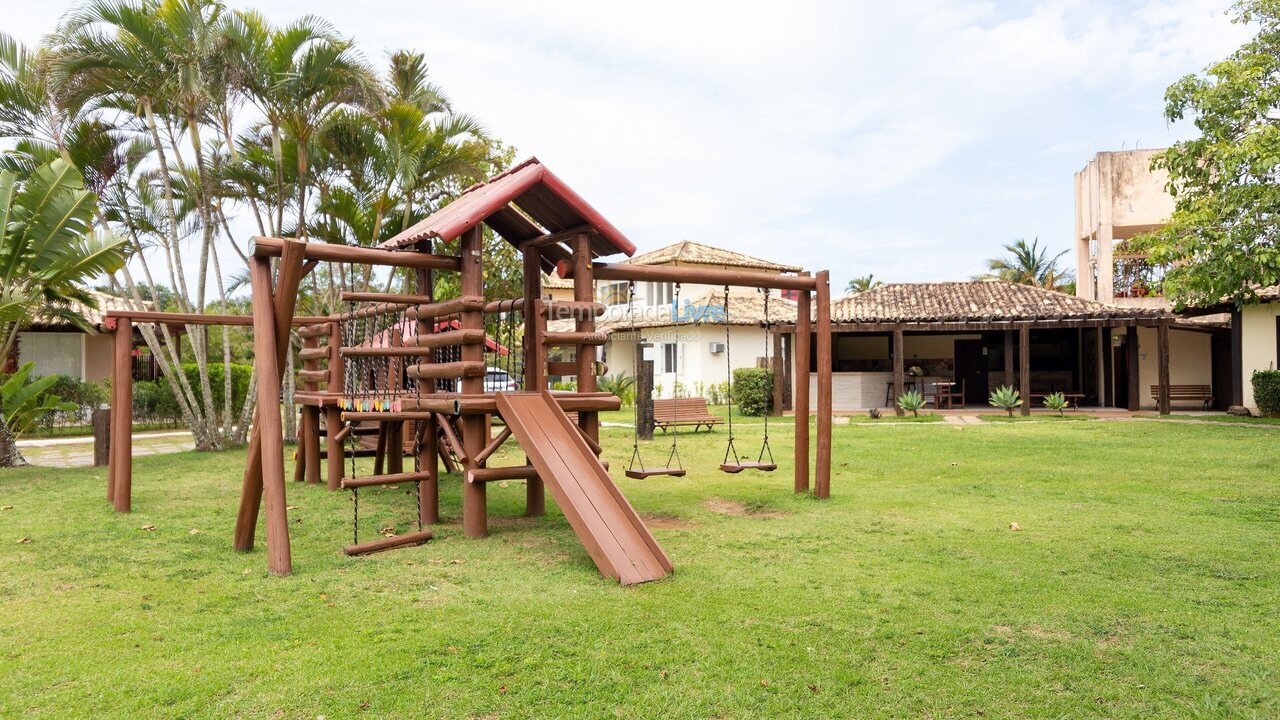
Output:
x=615 y=537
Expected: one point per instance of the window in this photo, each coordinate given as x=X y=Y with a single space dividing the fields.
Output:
x=661 y=294
x=1133 y=277
x=54 y=353
x=670 y=357
x=614 y=294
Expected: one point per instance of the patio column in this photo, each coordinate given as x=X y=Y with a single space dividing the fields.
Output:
x=897 y=356
x=1134 y=401
x=1024 y=357
x=1102 y=366
x=1162 y=339
x=1237 y=357
x=1008 y=358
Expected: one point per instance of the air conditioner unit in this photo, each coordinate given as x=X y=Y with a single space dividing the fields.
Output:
x=716 y=347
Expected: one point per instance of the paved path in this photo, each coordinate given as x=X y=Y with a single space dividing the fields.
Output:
x=78 y=452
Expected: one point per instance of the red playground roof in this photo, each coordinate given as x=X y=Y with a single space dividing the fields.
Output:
x=526 y=202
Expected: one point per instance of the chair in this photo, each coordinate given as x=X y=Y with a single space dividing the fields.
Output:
x=952 y=393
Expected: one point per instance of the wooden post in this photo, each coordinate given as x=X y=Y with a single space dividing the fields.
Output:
x=427 y=432
x=283 y=302
x=475 y=522
x=300 y=456
x=535 y=501
x=775 y=367
x=804 y=336
x=1237 y=357
x=1162 y=340
x=822 y=469
x=1008 y=358
x=899 y=381
x=122 y=416
x=333 y=414
x=309 y=439
x=1132 y=347
x=644 y=395
x=1104 y=339
x=265 y=346
x=101 y=420
x=1024 y=358
x=584 y=290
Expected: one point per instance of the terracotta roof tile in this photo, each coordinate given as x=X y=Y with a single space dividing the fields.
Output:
x=699 y=254
x=979 y=300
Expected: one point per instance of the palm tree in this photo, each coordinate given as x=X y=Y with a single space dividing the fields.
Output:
x=862 y=284
x=48 y=250
x=1028 y=264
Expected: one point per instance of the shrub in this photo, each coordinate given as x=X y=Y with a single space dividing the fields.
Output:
x=1005 y=398
x=620 y=384
x=753 y=390
x=566 y=385
x=1266 y=392
x=717 y=393
x=83 y=398
x=911 y=401
x=1055 y=401
x=240 y=375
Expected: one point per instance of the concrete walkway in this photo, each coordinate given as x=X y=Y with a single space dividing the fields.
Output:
x=78 y=451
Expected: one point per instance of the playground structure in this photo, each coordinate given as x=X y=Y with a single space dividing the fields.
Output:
x=410 y=369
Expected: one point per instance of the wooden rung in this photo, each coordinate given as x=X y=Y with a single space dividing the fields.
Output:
x=655 y=471
x=391 y=479
x=343 y=433
x=448 y=338
x=430 y=311
x=566 y=339
x=572 y=309
x=560 y=367
x=446 y=371
x=397 y=541
x=356 y=416
x=313 y=376
x=348 y=452
x=391 y=351
x=314 y=353
x=353 y=430
x=740 y=466
x=307 y=331
x=484 y=475
x=378 y=297
x=494 y=307
x=452 y=404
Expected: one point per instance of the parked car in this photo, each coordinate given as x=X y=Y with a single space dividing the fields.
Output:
x=497 y=380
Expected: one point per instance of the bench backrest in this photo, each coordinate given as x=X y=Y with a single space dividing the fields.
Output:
x=1184 y=391
x=680 y=407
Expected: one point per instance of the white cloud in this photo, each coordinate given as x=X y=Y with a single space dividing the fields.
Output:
x=909 y=140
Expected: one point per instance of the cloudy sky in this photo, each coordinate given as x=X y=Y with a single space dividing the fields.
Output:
x=908 y=140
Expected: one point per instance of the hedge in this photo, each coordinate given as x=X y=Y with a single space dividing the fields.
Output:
x=1266 y=392
x=753 y=390
x=153 y=401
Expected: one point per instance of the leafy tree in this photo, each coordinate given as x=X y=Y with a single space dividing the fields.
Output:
x=1221 y=241
x=862 y=284
x=1028 y=264
x=48 y=252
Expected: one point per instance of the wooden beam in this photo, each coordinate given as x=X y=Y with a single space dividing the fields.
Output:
x=668 y=273
x=427 y=434
x=177 y=318
x=1132 y=347
x=282 y=302
x=1024 y=359
x=122 y=417
x=270 y=432
x=557 y=237
x=899 y=360
x=328 y=252
x=475 y=522
x=584 y=291
x=804 y=336
x=775 y=367
x=822 y=466
x=1162 y=341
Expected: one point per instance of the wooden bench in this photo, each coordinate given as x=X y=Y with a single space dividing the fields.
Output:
x=1073 y=399
x=1202 y=394
x=683 y=411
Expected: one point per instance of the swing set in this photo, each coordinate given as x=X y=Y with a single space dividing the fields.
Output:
x=363 y=372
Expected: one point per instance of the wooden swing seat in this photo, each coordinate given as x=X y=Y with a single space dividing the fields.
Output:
x=748 y=465
x=653 y=472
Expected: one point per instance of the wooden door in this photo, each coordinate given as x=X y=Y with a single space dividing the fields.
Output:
x=971 y=369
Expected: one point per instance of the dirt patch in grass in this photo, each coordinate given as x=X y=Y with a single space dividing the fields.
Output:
x=667 y=522
x=741 y=509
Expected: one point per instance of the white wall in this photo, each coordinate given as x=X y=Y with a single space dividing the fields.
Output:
x=697 y=364
x=1190 y=363
x=1257 y=344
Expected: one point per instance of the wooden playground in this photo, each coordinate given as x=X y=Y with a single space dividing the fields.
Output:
x=396 y=375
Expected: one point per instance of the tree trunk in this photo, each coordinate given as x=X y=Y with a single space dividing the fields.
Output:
x=9 y=453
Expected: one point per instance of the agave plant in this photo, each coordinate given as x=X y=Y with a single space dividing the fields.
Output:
x=874 y=413
x=911 y=401
x=1005 y=398
x=1055 y=401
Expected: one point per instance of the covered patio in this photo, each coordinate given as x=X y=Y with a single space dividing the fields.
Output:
x=957 y=341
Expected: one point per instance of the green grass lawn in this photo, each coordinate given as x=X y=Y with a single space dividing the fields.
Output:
x=1143 y=583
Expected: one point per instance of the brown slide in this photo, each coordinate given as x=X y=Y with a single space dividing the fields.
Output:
x=615 y=537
